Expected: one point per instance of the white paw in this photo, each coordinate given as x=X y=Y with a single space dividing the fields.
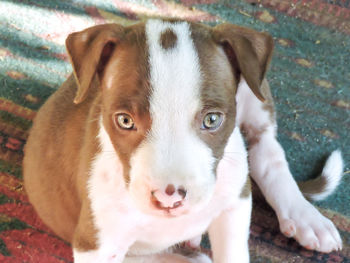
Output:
x=309 y=227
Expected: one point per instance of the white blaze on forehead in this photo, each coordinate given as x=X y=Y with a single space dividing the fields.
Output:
x=174 y=75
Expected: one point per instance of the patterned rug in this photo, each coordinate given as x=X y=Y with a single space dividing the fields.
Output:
x=309 y=77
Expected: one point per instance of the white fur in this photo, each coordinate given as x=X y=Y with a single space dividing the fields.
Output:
x=85 y=256
x=269 y=168
x=229 y=233
x=123 y=229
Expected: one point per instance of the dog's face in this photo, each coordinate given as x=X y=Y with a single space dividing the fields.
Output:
x=168 y=104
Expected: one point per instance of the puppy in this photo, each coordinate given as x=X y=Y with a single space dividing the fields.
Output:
x=141 y=148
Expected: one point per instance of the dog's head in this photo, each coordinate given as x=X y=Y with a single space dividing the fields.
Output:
x=168 y=101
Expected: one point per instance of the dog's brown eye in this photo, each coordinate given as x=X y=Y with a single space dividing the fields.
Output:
x=212 y=121
x=124 y=121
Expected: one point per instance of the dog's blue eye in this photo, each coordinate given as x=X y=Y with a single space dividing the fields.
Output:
x=124 y=121
x=212 y=121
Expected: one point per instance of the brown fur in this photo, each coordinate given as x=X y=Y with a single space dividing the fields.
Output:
x=249 y=51
x=58 y=134
x=168 y=39
x=87 y=53
x=252 y=134
x=129 y=93
x=314 y=186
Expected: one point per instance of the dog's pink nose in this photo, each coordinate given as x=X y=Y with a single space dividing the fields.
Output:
x=170 y=198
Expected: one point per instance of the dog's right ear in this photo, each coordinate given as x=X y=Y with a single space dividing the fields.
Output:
x=89 y=51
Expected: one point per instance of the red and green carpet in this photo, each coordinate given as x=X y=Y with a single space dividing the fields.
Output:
x=310 y=79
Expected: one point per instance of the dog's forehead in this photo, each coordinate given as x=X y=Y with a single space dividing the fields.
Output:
x=175 y=57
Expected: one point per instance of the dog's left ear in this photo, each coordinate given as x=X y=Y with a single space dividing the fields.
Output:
x=248 y=51
x=89 y=52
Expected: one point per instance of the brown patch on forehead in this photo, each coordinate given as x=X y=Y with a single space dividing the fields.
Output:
x=218 y=88
x=126 y=89
x=168 y=39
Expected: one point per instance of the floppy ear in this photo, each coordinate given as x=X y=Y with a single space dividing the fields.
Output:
x=249 y=53
x=89 y=51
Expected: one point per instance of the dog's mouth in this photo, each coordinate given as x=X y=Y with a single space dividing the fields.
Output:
x=160 y=206
x=177 y=209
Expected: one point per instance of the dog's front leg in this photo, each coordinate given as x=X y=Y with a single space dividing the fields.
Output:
x=107 y=245
x=229 y=233
x=297 y=217
x=269 y=169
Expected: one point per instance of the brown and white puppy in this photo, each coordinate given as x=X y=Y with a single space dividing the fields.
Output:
x=150 y=152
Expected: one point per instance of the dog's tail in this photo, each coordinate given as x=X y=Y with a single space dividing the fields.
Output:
x=319 y=188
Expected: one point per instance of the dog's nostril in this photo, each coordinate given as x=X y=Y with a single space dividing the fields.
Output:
x=182 y=192
x=170 y=189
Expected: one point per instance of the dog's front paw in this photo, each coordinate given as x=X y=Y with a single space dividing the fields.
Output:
x=310 y=228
